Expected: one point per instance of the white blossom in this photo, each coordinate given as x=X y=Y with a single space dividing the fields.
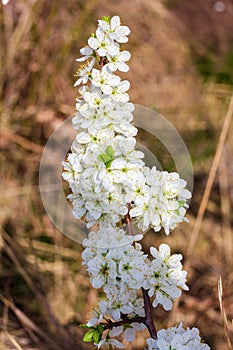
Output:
x=114 y=30
x=118 y=62
x=110 y=238
x=95 y=99
x=166 y=277
x=119 y=94
x=116 y=303
x=84 y=72
x=166 y=203
x=177 y=338
x=104 y=80
x=87 y=53
x=115 y=263
x=128 y=331
x=103 y=44
x=112 y=342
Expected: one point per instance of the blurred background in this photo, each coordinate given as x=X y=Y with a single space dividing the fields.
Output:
x=182 y=67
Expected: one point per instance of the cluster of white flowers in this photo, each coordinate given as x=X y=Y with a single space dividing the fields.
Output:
x=111 y=185
x=166 y=278
x=116 y=262
x=105 y=171
x=121 y=267
x=177 y=338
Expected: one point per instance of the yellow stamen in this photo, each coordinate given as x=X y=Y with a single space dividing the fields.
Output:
x=82 y=68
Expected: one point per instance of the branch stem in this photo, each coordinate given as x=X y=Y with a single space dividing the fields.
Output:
x=128 y=221
x=148 y=319
x=126 y=320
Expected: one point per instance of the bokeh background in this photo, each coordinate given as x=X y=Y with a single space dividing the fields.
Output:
x=182 y=67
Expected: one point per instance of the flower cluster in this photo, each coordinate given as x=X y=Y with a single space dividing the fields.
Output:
x=111 y=187
x=177 y=338
x=167 y=278
x=116 y=262
x=119 y=265
x=121 y=268
x=105 y=171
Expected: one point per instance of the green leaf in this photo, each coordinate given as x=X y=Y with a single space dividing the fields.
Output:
x=108 y=164
x=109 y=151
x=108 y=157
x=96 y=337
x=181 y=203
x=88 y=337
x=106 y=19
x=104 y=157
x=100 y=328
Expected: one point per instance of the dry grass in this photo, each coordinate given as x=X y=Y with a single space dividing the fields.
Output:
x=44 y=292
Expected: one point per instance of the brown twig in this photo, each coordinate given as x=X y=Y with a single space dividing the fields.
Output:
x=125 y=320
x=128 y=221
x=146 y=320
x=149 y=320
x=103 y=61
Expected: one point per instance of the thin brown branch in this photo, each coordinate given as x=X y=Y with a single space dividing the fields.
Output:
x=128 y=221
x=103 y=61
x=128 y=224
x=126 y=320
x=149 y=320
x=146 y=320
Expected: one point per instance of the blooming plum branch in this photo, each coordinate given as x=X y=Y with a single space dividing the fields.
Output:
x=111 y=188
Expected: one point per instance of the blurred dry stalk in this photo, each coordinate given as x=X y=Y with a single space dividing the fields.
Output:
x=45 y=293
x=226 y=211
x=209 y=184
x=223 y=313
